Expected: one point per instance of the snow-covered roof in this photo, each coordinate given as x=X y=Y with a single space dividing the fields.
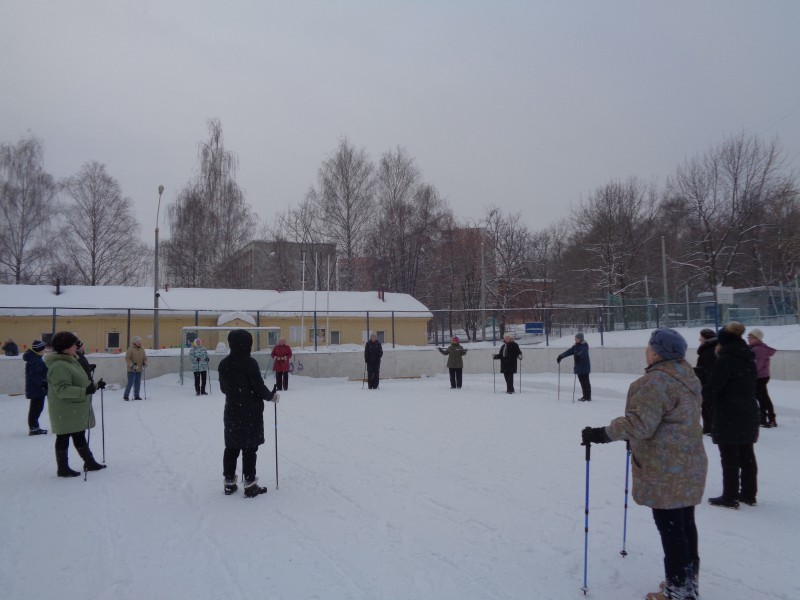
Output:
x=35 y=299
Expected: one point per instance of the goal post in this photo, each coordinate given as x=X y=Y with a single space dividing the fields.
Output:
x=215 y=340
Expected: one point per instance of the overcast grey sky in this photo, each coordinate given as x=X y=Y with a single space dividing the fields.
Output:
x=525 y=105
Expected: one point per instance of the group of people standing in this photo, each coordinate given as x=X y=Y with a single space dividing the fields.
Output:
x=662 y=426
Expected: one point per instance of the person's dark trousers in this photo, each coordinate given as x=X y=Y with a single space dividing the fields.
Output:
x=282 y=380
x=373 y=375
x=764 y=401
x=231 y=455
x=455 y=378
x=739 y=467
x=679 y=541
x=509 y=382
x=586 y=387
x=78 y=440
x=708 y=414
x=200 y=378
x=34 y=412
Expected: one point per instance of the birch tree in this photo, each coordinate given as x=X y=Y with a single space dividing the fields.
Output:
x=27 y=207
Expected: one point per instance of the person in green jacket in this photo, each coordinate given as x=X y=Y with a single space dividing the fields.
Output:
x=70 y=403
x=455 y=362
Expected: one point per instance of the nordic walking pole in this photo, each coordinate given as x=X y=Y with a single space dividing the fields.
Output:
x=103 y=423
x=585 y=587
x=494 y=378
x=559 y=382
x=88 y=439
x=275 y=406
x=624 y=552
x=144 y=377
x=520 y=373
x=574 y=381
x=363 y=379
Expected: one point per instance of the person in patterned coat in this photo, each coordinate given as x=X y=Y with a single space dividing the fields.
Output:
x=198 y=356
x=662 y=425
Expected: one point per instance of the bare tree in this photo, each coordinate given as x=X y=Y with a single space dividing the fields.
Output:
x=614 y=226
x=100 y=234
x=511 y=275
x=722 y=193
x=409 y=216
x=27 y=205
x=345 y=205
x=213 y=209
x=190 y=262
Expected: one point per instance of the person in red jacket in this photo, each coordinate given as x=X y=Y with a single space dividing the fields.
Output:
x=280 y=356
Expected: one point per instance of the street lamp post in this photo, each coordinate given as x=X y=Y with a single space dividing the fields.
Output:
x=155 y=278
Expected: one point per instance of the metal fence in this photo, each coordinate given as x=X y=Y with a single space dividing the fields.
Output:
x=529 y=325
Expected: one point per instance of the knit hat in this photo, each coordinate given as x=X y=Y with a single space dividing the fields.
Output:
x=38 y=345
x=455 y=338
x=63 y=340
x=135 y=339
x=668 y=343
x=730 y=333
x=79 y=344
x=579 y=336
x=707 y=334
x=198 y=342
x=756 y=333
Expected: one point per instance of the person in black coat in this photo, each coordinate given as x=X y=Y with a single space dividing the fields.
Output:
x=508 y=356
x=241 y=382
x=731 y=389
x=706 y=357
x=35 y=385
x=373 y=351
x=10 y=347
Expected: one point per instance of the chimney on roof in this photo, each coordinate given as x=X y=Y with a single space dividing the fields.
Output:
x=58 y=286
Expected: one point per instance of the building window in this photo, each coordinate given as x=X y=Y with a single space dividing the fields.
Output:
x=112 y=340
x=273 y=337
x=320 y=335
x=381 y=336
x=335 y=338
x=47 y=338
x=295 y=335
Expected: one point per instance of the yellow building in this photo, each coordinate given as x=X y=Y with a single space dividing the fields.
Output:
x=106 y=318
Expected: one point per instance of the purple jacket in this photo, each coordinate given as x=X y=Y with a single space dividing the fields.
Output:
x=763 y=354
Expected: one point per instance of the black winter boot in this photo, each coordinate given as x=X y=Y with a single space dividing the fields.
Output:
x=63 y=464
x=723 y=501
x=252 y=489
x=230 y=485
x=89 y=463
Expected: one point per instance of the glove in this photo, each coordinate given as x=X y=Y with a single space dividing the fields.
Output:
x=134 y=368
x=90 y=389
x=275 y=397
x=558 y=360
x=594 y=435
x=101 y=385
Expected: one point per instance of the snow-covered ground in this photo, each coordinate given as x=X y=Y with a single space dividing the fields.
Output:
x=412 y=491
